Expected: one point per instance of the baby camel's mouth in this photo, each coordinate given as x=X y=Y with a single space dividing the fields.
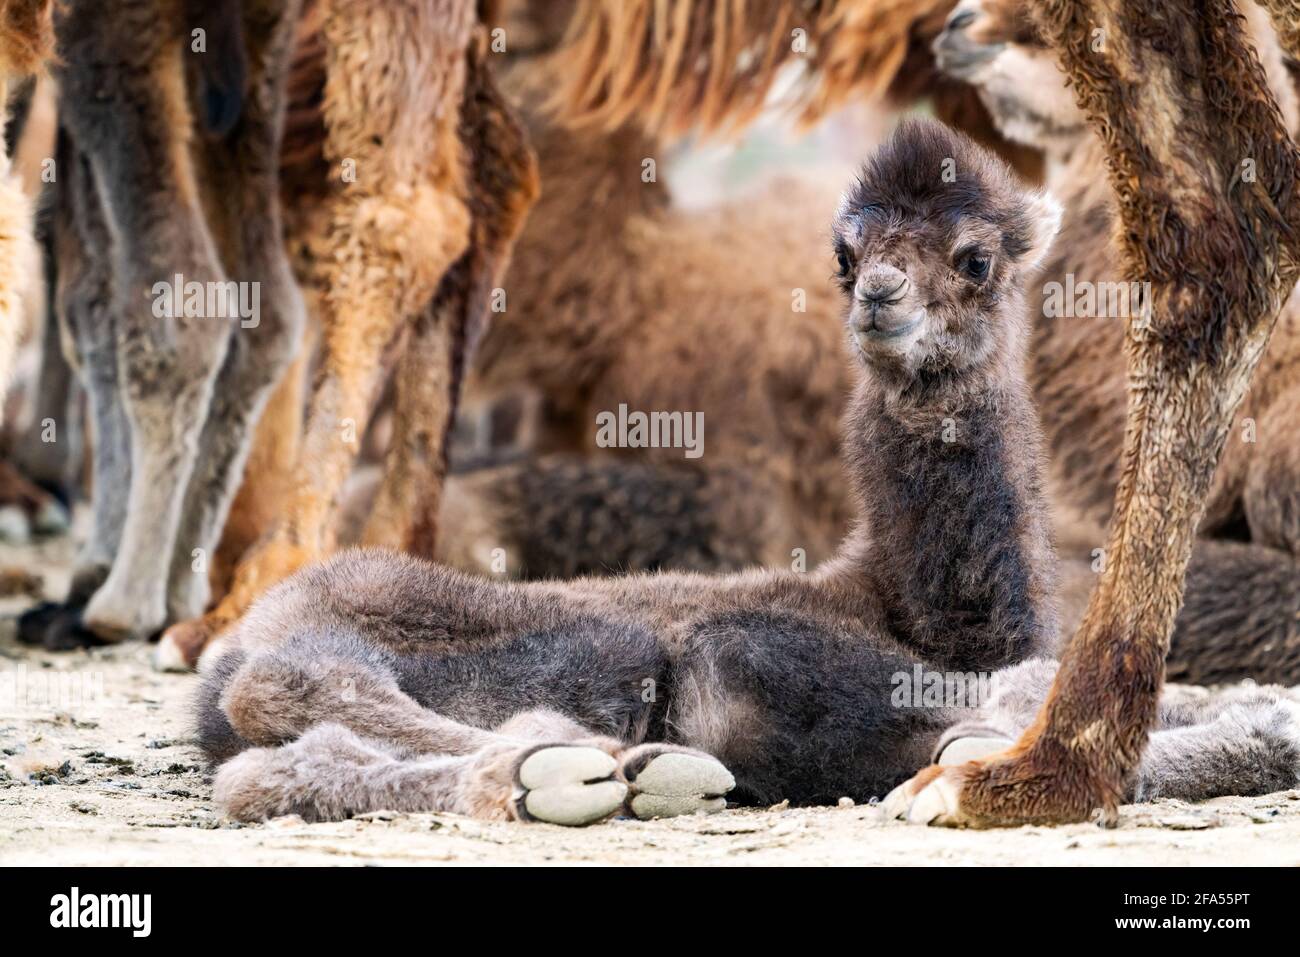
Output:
x=875 y=332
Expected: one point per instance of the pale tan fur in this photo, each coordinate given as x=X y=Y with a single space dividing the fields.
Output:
x=26 y=39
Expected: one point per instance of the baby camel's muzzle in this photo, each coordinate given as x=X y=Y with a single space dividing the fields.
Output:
x=884 y=307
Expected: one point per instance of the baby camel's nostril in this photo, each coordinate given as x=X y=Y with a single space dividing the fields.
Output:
x=883 y=289
x=960 y=20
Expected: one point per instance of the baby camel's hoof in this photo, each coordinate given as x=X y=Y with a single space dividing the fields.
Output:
x=671 y=783
x=569 y=785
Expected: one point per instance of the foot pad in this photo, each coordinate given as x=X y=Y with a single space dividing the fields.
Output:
x=570 y=785
x=674 y=783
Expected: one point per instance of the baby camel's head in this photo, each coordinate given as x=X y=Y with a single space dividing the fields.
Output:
x=935 y=242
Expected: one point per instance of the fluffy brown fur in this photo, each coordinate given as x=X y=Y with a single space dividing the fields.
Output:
x=26 y=35
x=712 y=66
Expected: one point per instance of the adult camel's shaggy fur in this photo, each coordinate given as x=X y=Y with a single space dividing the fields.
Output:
x=434 y=179
x=1241 y=615
x=1180 y=98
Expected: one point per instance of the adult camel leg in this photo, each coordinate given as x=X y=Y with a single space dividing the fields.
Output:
x=84 y=304
x=25 y=44
x=52 y=461
x=240 y=176
x=1179 y=116
x=1238 y=739
x=123 y=97
x=267 y=473
x=503 y=186
x=399 y=220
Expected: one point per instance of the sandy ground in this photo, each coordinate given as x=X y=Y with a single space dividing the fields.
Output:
x=98 y=766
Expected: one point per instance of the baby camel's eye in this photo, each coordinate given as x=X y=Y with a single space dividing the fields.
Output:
x=975 y=266
x=844 y=262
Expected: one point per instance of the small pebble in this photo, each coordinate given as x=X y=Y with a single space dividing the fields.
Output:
x=844 y=802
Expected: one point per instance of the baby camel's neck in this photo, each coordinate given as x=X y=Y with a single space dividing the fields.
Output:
x=954 y=538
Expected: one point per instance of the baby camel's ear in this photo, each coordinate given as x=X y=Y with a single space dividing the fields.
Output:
x=1044 y=215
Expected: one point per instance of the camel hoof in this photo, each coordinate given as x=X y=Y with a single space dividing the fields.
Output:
x=113 y=615
x=572 y=786
x=35 y=621
x=932 y=800
x=673 y=783
x=168 y=655
x=181 y=645
x=55 y=627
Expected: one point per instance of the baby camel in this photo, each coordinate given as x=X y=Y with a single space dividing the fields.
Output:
x=372 y=680
x=783 y=677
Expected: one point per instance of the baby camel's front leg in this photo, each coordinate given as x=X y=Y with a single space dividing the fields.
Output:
x=539 y=766
x=331 y=773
